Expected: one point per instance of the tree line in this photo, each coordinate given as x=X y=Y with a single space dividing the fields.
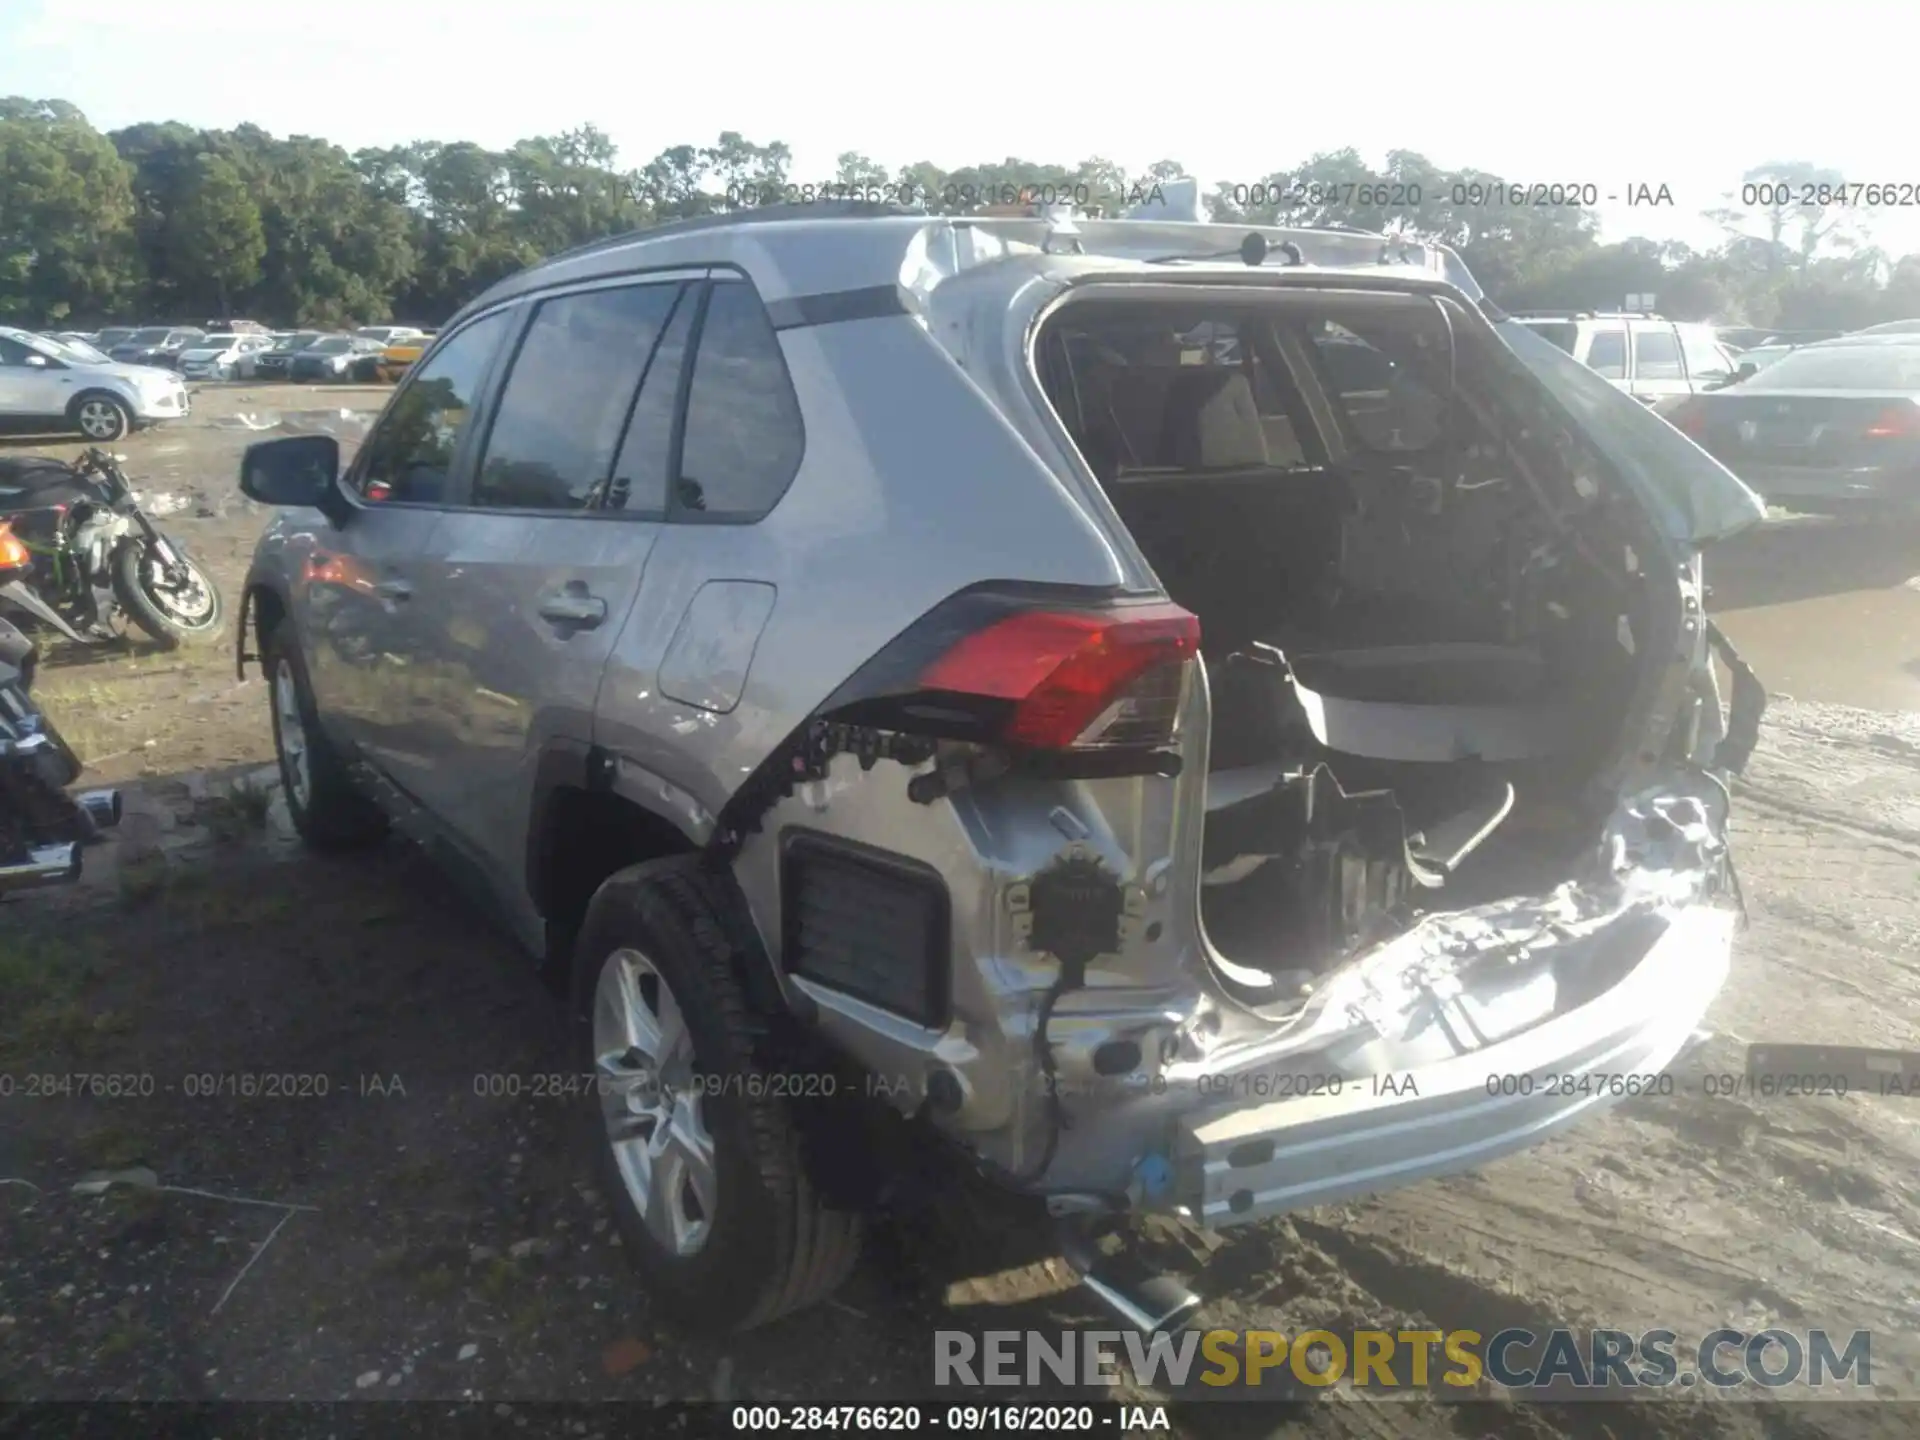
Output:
x=163 y=221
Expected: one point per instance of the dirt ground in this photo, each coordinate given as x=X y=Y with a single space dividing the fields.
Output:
x=427 y=1241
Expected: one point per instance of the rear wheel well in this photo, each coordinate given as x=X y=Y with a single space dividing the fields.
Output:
x=267 y=611
x=585 y=836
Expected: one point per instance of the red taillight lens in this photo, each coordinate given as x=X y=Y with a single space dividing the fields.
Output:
x=1896 y=422
x=14 y=554
x=1689 y=417
x=1077 y=680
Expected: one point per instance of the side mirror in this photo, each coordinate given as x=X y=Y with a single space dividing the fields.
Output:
x=296 y=471
x=36 y=362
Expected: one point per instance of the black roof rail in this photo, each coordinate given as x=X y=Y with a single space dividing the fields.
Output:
x=753 y=215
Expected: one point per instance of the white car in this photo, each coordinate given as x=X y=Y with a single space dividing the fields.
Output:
x=45 y=383
x=223 y=357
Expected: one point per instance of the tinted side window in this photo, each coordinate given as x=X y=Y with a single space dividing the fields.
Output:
x=1705 y=359
x=743 y=436
x=409 y=456
x=566 y=399
x=1656 y=354
x=1607 y=354
x=639 y=483
x=12 y=352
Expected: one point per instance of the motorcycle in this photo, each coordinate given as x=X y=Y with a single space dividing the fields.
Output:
x=77 y=553
x=42 y=826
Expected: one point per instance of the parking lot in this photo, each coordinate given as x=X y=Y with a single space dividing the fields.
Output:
x=431 y=1238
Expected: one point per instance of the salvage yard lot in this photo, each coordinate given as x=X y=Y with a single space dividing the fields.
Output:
x=433 y=1238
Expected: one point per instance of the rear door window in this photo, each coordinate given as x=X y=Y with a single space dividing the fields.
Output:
x=743 y=437
x=1656 y=353
x=1385 y=407
x=1607 y=354
x=409 y=457
x=566 y=400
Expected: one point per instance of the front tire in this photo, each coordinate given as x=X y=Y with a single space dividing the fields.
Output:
x=700 y=1151
x=171 y=614
x=327 y=810
x=99 y=416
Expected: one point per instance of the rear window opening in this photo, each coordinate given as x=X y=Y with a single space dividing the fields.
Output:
x=1418 y=611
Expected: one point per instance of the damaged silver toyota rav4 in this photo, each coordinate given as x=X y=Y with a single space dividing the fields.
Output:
x=1166 y=716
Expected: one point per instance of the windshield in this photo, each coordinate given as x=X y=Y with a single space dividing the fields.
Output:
x=80 y=350
x=1843 y=367
x=148 y=337
x=331 y=345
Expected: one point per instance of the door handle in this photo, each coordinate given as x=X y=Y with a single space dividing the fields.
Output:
x=393 y=590
x=575 y=607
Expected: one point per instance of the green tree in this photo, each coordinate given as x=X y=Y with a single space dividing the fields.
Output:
x=66 y=215
x=215 y=241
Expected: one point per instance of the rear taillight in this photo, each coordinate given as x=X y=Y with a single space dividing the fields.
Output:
x=1896 y=422
x=1689 y=417
x=1076 y=679
x=1031 y=673
x=14 y=554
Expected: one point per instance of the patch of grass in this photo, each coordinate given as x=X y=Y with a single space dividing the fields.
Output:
x=499 y=1279
x=242 y=811
x=112 y=1146
x=43 y=979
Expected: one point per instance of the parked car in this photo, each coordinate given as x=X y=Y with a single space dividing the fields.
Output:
x=1892 y=327
x=272 y=363
x=114 y=335
x=74 y=337
x=1831 y=427
x=235 y=327
x=159 y=345
x=1652 y=359
x=44 y=384
x=332 y=357
x=878 y=682
x=399 y=357
x=1740 y=337
x=223 y=357
x=387 y=334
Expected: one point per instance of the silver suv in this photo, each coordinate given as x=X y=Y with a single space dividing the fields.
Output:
x=1170 y=718
x=1657 y=361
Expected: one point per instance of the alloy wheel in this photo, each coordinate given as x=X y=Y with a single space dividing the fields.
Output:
x=650 y=1104
x=294 y=767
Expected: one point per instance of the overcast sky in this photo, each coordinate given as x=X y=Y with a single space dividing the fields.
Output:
x=1683 y=93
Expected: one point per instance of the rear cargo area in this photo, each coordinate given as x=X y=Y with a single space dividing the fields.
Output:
x=1421 y=607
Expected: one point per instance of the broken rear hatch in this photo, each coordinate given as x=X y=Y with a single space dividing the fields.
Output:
x=1474 y=1029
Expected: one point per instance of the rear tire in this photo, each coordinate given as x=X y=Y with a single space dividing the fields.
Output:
x=327 y=810
x=748 y=1237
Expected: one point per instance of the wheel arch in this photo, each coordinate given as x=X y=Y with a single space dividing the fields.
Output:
x=102 y=392
x=262 y=609
x=595 y=813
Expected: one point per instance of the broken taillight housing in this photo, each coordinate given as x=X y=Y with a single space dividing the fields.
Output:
x=14 y=554
x=1032 y=674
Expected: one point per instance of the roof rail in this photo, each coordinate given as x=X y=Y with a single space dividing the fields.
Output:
x=752 y=215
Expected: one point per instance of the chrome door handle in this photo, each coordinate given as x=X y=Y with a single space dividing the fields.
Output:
x=574 y=607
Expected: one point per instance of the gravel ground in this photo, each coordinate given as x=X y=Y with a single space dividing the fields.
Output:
x=403 y=1235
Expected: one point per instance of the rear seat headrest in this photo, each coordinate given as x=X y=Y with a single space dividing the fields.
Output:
x=1211 y=422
